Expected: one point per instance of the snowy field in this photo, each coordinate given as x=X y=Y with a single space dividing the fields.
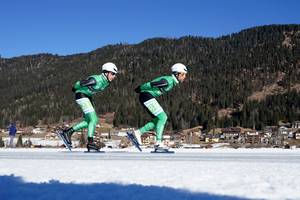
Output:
x=128 y=174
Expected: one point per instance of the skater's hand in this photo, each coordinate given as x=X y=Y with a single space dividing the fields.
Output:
x=138 y=89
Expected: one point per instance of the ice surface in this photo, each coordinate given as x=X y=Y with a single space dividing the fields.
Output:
x=212 y=173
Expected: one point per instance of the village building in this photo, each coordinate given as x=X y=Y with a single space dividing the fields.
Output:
x=270 y=131
x=192 y=135
x=252 y=137
x=297 y=134
x=231 y=134
x=296 y=124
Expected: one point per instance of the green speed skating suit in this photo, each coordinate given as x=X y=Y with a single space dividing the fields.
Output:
x=84 y=90
x=148 y=91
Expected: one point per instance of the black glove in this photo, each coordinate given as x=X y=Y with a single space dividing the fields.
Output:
x=138 y=89
x=73 y=89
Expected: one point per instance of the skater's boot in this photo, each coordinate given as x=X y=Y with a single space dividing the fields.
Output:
x=137 y=134
x=159 y=145
x=91 y=145
x=67 y=134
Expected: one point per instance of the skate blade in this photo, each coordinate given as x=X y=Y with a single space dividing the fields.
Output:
x=133 y=140
x=65 y=143
x=162 y=151
x=94 y=151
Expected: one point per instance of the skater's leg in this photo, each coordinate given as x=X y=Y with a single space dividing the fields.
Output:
x=80 y=125
x=159 y=121
x=90 y=122
x=159 y=117
x=158 y=114
x=87 y=108
x=151 y=106
x=93 y=120
x=162 y=119
x=149 y=126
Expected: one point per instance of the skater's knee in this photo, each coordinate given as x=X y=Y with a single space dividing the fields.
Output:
x=94 y=120
x=163 y=117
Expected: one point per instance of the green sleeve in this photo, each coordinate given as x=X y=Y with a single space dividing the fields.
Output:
x=146 y=86
x=77 y=85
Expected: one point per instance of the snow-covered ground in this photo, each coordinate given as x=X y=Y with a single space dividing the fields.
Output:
x=128 y=174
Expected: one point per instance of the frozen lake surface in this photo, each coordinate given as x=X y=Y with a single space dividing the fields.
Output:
x=128 y=174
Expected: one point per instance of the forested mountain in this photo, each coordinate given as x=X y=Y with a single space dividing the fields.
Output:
x=224 y=75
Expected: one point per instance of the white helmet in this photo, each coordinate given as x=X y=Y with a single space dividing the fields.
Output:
x=179 y=68
x=110 y=67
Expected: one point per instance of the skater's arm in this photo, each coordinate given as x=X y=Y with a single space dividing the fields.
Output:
x=159 y=84
x=88 y=82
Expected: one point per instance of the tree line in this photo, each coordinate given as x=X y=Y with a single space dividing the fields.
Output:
x=223 y=73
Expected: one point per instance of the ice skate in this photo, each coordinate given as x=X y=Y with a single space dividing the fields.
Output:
x=64 y=139
x=137 y=134
x=160 y=147
x=91 y=145
x=133 y=139
x=67 y=134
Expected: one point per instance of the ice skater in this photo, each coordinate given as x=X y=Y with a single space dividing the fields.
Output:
x=147 y=97
x=84 y=90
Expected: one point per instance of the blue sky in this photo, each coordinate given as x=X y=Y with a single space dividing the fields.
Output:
x=76 y=26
